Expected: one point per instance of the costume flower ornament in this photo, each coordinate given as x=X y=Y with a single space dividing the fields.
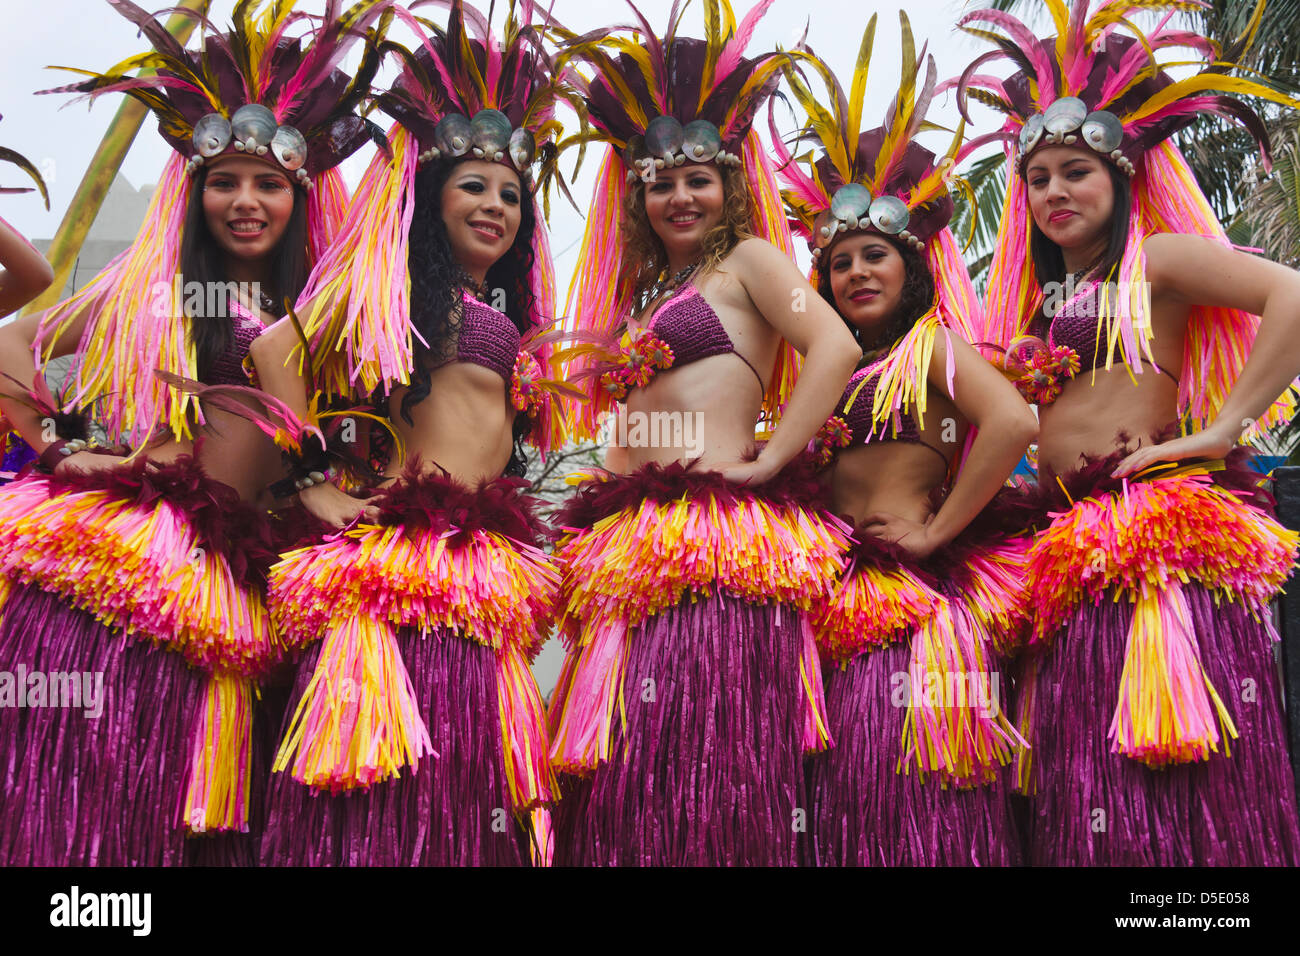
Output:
x=832 y=436
x=643 y=357
x=525 y=392
x=1042 y=370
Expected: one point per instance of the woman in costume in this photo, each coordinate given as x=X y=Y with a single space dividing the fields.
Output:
x=24 y=274
x=692 y=687
x=917 y=700
x=1152 y=703
x=141 y=581
x=416 y=734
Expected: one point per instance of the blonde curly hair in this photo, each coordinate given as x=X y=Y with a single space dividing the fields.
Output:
x=645 y=259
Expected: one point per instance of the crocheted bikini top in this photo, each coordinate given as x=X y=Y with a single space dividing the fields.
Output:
x=228 y=368
x=684 y=329
x=903 y=427
x=487 y=337
x=1074 y=339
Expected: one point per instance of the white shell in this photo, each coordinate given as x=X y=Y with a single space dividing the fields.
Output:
x=1065 y=115
x=253 y=125
x=889 y=214
x=211 y=135
x=1103 y=131
x=290 y=148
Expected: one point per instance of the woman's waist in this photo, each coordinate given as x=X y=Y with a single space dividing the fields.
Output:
x=465 y=459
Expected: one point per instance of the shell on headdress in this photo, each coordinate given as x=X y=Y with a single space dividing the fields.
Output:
x=664 y=137
x=1065 y=115
x=452 y=135
x=701 y=141
x=523 y=147
x=1103 y=131
x=1031 y=133
x=254 y=127
x=490 y=131
x=889 y=214
x=851 y=202
x=211 y=135
x=289 y=147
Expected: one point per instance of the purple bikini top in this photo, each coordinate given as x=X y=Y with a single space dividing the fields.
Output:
x=854 y=427
x=1076 y=326
x=228 y=369
x=487 y=338
x=692 y=330
x=904 y=427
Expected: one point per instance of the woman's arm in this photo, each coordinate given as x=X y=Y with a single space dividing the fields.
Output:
x=25 y=275
x=816 y=331
x=1005 y=427
x=279 y=375
x=1193 y=270
x=18 y=361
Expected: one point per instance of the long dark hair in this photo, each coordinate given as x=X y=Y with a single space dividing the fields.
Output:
x=1049 y=261
x=201 y=262
x=915 y=300
x=437 y=280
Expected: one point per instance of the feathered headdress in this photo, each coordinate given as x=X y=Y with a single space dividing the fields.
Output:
x=23 y=163
x=660 y=101
x=1094 y=87
x=463 y=93
x=263 y=90
x=880 y=180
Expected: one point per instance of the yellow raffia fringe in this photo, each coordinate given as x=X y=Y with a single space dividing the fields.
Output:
x=357 y=722
x=487 y=587
x=640 y=561
x=1167 y=710
x=141 y=569
x=219 y=791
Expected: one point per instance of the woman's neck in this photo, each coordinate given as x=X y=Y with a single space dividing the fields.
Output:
x=1083 y=258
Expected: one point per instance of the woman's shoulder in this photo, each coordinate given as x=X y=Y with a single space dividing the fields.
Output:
x=752 y=249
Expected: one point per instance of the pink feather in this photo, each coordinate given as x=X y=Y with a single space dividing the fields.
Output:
x=734 y=49
x=1024 y=38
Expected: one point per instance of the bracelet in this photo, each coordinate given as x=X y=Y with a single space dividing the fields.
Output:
x=309 y=468
x=58 y=450
x=311 y=478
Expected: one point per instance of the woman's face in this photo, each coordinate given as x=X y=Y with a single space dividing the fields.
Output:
x=247 y=204
x=481 y=208
x=682 y=204
x=1070 y=196
x=867 y=275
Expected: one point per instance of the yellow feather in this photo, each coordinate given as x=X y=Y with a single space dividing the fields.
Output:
x=823 y=122
x=858 y=93
x=1206 y=82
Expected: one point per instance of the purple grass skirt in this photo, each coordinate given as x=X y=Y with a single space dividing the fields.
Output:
x=866 y=812
x=1098 y=808
x=708 y=771
x=106 y=791
x=453 y=810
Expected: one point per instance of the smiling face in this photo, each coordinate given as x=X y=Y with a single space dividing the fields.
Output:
x=682 y=205
x=1071 y=197
x=481 y=204
x=866 y=276
x=247 y=205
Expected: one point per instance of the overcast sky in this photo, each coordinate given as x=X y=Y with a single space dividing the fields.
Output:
x=88 y=34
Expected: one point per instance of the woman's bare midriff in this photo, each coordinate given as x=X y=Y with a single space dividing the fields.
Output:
x=1098 y=413
x=464 y=425
x=894 y=477
x=713 y=403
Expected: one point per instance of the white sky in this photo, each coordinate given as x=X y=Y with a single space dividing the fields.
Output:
x=90 y=35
